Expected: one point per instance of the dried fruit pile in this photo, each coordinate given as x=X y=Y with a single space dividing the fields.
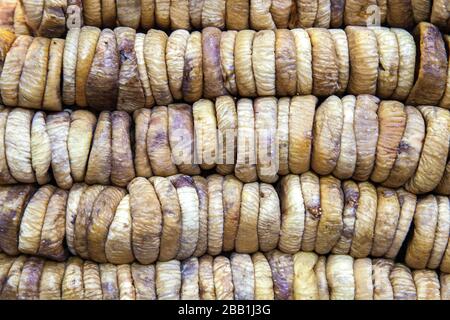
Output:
x=181 y=216
x=124 y=70
x=50 y=17
x=353 y=137
x=274 y=275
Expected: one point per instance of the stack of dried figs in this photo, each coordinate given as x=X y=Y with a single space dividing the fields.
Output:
x=225 y=149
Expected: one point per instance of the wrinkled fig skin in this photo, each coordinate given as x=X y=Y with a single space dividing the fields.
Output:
x=103 y=79
x=122 y=167
x=213 y=85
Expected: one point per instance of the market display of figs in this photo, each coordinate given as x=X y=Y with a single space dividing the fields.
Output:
x=225 y=150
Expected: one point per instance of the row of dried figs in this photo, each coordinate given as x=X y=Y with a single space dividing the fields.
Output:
x=50 y=18
x=273 y=275
x=181 y=216
x=354 y=137
x=127 y=70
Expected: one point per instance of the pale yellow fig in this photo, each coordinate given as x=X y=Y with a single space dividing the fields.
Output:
x=5 y=174
x=305 y=281
x=79 y=142
x=52 y=95
x=58 y=125
x=122 y=167
x=247 y=233
x=175 y=53
x=103 y=212
x=51 y=279
x=260 y=16
x=69 y=66
x=141 y=119
x=142 y=69
x=282 y=135
x=408 y=150
x=307 y=12
x=72 y=284
x=227 y=125
x=34 y=74
x=245 y=169
x=108 y=277
x=340 y=277
x=408 y=206
x=359 y=12
x=263 y=61
x=205 y=128
x=213 y=13
x=427 y=285
x=41 y=153
x=432 y=164
x=388 y=213
x=53 y=23
x=363 y=272
x=366 y=133
x=281 y=11
x=382 y=287
x=301 y=119
x=33 y=12
x=171 y=218
x=99 y=163
x=33 y=220
x=351 y=198
x=364 y=60
x=168 y=280
x=445 y=286
x=402 y=283
x=330 y=225
x=303 y=50
x=263 y=278
x=365 y=221
x=11 y=284
x=292 y=214
x=343 y=59
x=87 y=43
x=321 y=276
x=310 y=191
x=12 y=70
x=232 y=193
x=91 y=281
x=215 y=214
x=155 y=60
x=425 y=222
x=325 y=68
x=407 y=63
x=227 y=45
x=269 y=218
x=73 y=202
x=118 y=246
x=441 y=234
x=125 y=283
x=266 y=147
x=388 y=70
x=346 y=163
x=327 y=132
x=223 y=278
x=243 y=48
x=201 y=185
x=190 y=214
x=18 y=145
x=392 y=119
